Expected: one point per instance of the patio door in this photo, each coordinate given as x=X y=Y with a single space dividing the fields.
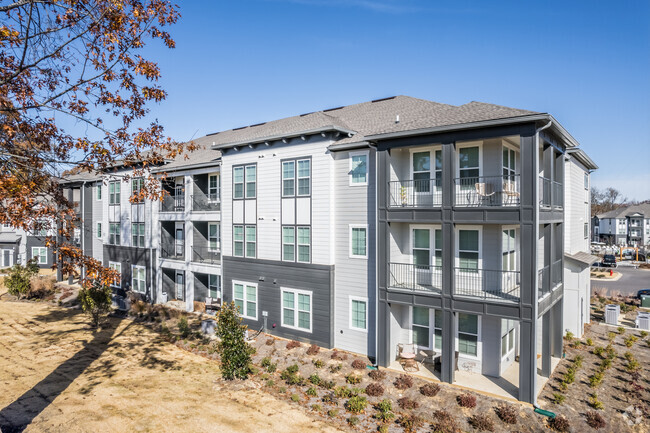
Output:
x=510 y=185
x=179 y=242
x=468 y=189
x=426 y=188
x=180 y=285
x=509 y=260
x=427 y=257
x=468 y=273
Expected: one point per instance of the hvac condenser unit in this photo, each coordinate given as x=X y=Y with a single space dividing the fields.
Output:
x=643 y=321
x=611 y=314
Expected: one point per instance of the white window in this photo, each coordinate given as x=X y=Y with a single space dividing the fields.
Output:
x=40 y=253
x=251 y=241
x=304 y=177
x=214 y=286
x=137 y=184
x=251 y=181
x=114 y=189
x=99 y=230
x=358 y=241
x=238 y=182
x=296 y=309
x=507 y=336
x=138 y=278
x=468 y=164
x=245 y=297
x=509 y=250
x=358 y=313
x=468 y=250
x=420 y=327
x=437 y=329
x=238 y=241
x=468 y=334
x=358 y=168
x=99 y=191
x=114 y=230
x=214 y=237
x=288 y=244
x=214 y=188
x=137 y=234
x=304 y=244
x=288 y=178
x=117 y=267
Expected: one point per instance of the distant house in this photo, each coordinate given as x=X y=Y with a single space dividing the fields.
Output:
x=628 y=226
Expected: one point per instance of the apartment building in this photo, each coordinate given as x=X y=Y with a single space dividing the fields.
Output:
x=366 y=227
x=625 y=226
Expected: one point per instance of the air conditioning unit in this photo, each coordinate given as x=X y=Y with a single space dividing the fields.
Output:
x=611 y=314
x=643 y=321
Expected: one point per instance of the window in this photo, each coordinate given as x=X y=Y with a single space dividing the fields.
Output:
x=40 y=253
x=245 y=297
x=99 y=191
x=251 y=240
x=507 y=336
x=304 y=177
x=359 y=314
x=468 y=334
x=509 y=168
x=214 y=237
x=358 y=168
x=238 y=241
x=214 y=286
x=358 y=241
x=137 y=184
x=40 y=228
x=437 y=329
x=288 y=244
x=99 y=230
x=420 y=326
x=422 y=171
x=138 y=278
x=137 y=234
x=251 y=181
x=468 y=163
x=468 y=250
x=586 y=230
x=304 y=244
x=296 y=309
x=214 y=187
x=117 y=267
x=114 y=193
x=288 y=178
x=421 y=247
x=238 y=182
x=586 y=180
x=114 y=230
x=508 y=261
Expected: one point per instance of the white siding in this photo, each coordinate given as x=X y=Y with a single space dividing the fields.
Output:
x=576 y=207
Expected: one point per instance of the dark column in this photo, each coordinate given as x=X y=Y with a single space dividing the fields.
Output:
x=383 y=310
x=383 y=333
x=448 y=362
x=71 y=200
x=557 y=329
x=546 y=344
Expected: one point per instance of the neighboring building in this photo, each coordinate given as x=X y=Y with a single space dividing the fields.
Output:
x=625 y=226
x=364 y=227
x=577 y=240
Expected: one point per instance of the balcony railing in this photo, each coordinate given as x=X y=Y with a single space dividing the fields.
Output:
x=543 y=281
x=174 y=251
x=415 y=193
x=544 y=192
x=488 y=191
x=415 y=277
x=206 y=255
x=206 y=202
x=558 y=195
x=172 y=203
x=556 y=273
x=487 y=284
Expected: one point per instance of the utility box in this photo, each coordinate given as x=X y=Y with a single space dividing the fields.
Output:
x=611 y=314
x=645 y=301
x=643 y=321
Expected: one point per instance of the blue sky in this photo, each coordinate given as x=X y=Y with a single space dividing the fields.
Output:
x=586 y=62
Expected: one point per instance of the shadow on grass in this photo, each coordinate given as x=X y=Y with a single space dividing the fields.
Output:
x=18 y=415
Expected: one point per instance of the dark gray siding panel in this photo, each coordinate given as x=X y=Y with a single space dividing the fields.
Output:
x=270 y=277
x=128 y=256
x=201 y=287
x=35 y=241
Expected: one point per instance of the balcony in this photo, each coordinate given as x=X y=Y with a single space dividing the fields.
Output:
x=175 y=251
x=415 y=277
x=206 y=203
x=487 y=191
x=548 y=278
x=496 y=285
x=206 y=255
x=551 y=193
x=172 y=203
x=415 y=193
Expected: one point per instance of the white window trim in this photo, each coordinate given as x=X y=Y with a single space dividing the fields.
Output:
x=296 y=292
x=298 y=244
x=40 y=257
x=243 y=241
x=218 y=225
x=98 y=191
x=366 y=153
x=219 y=289
x=289 y=161
x=133 y=267
x=479 y=344
x=432 y=240
x=118 y=265
x=357 y=226
x=514 y=343
x=432 y=160
x=246 y=181
x=359 y=299
x=218 y=187
x=235 y=183
x=431 y=327
x=246 y=241
x=457 y=242
x=297 y=177
x=478 y=144
x=257 y=301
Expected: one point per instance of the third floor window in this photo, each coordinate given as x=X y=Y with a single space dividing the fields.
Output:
x=296 y=171
x=114 y=192
x=244 y=181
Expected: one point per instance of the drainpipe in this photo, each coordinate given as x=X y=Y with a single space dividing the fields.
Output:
x=374 y=146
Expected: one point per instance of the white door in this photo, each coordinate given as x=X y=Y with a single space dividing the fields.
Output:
x=180 y=285
x=179 y=242
x=7 y=258
x=422 y=257
x=509 y=260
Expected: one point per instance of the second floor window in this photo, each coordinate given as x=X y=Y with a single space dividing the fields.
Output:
x=288 y=244
x=214 y=187
x=358 y=168
x=251 y=241
x=114 y=192
x=358 y=241
x=238 y=241
x=468 y=163
x=117 y=267
x=137 y=184
x=468 y=250
x=99 y=191
x=304 y=177
x=114 y=233
x=99 y=230
x=251 y=181
x=244 y=181
x=137 y=234
x=288 y=178
x=214 y=237
x=304 y=244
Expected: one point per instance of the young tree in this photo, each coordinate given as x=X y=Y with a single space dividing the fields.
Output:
x=95 y=301
x=235 y=353
x=65 y=63
x=18 y=282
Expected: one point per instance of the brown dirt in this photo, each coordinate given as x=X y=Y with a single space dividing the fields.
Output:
x=57 y=375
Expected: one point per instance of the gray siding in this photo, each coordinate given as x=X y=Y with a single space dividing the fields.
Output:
x=129 y=256
x=35 y=241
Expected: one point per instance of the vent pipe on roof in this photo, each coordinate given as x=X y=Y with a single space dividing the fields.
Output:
x=397 y=118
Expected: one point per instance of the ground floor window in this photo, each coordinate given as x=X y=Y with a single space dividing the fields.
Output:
x=359 y=314
x=296 y=309
x=437 y=329
x=245 y=297
x=507 y=336
x=40 y=253
x=214 y=286
x=117 y=267
x=138 y=278
x=420 y=327
x=468 y=334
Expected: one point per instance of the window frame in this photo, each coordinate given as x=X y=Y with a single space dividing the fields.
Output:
x=350 y=231
x=477 y=335
x=133 y=278
x=235 y=240
x=98 y=230
x=217 y=238
x=40 y=256
x=218 y=286
x=246 y=181
x=246 y=241
x=116 y=266
x=299 y=178
x=510 y=345
x=115 y=197
x=351 y=168
x=244 y=314
x=354 y=299
x=138 y=239
x=137 y=184
x=478 y=229
x=98 y=192
x=296 y=309
x=217 y=189
x=293 y=244
x=115 y=236
x=235 y=195
x=299 y=244
x=292 y=179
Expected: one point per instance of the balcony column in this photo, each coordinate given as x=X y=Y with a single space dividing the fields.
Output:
x=548 y=256
x=382 y=259
x=557 y=330
x=448 y=359
x=548 y=170
x=546 y=344
x=71 y=200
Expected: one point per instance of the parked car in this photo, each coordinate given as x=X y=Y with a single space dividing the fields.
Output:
x=609 y=260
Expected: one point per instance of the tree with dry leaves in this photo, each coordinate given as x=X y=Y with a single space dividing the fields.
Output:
x=77 y=62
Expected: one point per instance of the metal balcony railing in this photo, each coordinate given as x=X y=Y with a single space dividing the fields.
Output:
x=172 y=203
x=174 y=251
x=543 y=281
x=487 y=191
x=544 y=192
x=556 y=273
x=489 y=284
x=415 y=277
x=206 y=255
x=558 y=195
x=415 y=193
x=206 y=202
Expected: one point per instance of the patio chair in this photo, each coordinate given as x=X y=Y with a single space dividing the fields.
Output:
x=482 y=192
x=212 y=304
x=511 y=195
x=406 y=353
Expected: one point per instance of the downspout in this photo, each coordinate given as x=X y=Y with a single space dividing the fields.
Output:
x=374 y=146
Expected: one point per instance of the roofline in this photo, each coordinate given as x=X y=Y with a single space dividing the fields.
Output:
x=582 y=156
x=349 y=146
x=281 y=136
x=482 y=124
x=188 y=166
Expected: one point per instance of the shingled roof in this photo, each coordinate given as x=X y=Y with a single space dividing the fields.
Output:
x=622 y=212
